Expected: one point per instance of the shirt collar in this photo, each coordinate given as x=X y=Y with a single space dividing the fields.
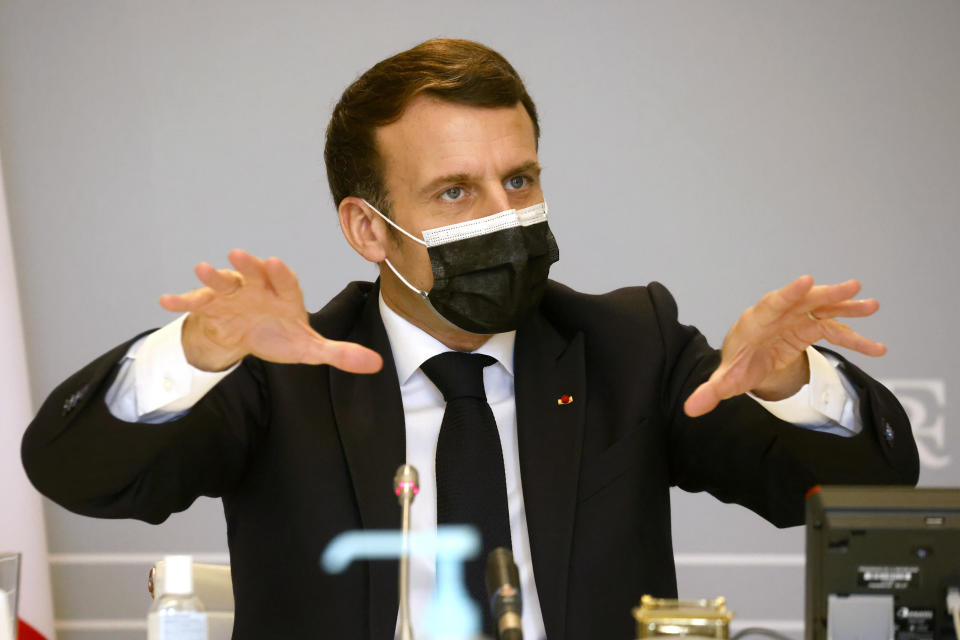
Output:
x=413 y=346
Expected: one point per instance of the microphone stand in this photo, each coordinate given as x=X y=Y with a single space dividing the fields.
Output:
x=406 y=486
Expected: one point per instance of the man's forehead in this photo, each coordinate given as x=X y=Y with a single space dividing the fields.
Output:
x=434 y=136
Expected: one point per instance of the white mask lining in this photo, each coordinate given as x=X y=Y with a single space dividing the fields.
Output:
x=471 y=228
x=488 y=224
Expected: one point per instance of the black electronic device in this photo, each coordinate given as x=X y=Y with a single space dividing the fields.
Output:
x=503 y=589
x=880 y=562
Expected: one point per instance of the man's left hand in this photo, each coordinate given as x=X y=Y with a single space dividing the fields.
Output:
x=765 y=350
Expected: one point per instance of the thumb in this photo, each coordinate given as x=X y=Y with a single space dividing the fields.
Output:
x=347 y=356
x=703 y=400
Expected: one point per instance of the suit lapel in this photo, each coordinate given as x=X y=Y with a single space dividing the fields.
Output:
x=369 y=417
x=550 y=434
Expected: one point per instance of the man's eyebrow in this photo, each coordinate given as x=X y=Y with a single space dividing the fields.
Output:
x=531 y=165
x=451 y=178
x=459 y=178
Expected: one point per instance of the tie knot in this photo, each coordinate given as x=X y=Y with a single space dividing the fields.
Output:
x=457 y=374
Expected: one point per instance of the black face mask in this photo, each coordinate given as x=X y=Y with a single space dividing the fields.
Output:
x=488 y=273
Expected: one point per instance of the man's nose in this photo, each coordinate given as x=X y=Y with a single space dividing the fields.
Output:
x=497 y=200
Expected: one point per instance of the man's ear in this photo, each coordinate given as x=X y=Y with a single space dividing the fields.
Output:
x=363 y=228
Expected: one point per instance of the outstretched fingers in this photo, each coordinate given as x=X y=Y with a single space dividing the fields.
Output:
x=189 y=301
x=223 y=281
x=217 y=281
x=828 y=295
x=283 y=279
x=822 y=301
x=763 y=349
x=776 y=303
x=847 y=309
x=250 y=266
x=843 y=336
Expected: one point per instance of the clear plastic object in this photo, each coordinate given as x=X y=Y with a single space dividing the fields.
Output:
x=452 y=614
x=178 y=613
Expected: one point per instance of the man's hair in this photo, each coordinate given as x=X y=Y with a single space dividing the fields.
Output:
x=458 y=71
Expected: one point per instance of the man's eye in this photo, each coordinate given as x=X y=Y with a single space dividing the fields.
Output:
x=517 y=182
x=453 y=193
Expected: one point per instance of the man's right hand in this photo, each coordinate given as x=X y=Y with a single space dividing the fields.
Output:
x=257 y=309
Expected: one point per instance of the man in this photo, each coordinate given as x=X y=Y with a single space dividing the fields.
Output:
x=598 y=403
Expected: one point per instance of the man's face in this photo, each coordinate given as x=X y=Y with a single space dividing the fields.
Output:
x=446 y=163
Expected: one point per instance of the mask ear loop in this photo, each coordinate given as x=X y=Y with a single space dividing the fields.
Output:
x=423 y=294
x=395 y=226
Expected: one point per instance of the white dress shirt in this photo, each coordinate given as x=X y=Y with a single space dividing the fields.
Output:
x=156 y=384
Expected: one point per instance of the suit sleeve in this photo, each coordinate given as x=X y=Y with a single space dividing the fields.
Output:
x=81 y=457
x=741 y=453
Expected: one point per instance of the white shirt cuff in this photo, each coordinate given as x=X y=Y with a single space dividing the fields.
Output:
x=164 y=380
x=827 y=402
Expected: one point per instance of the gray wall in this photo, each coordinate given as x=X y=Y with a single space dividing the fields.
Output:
x=722 y=148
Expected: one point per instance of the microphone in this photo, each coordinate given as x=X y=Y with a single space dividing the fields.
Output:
x=503 y=589
x=406 y=485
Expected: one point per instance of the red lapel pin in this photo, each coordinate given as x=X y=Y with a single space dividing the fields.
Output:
x=565 y=399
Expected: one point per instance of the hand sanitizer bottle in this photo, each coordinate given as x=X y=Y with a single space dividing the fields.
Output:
x=177 y=614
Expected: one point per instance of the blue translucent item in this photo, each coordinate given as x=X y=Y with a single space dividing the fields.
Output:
x=452 y=615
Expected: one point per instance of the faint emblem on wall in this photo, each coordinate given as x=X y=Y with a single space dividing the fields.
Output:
x=925 y=400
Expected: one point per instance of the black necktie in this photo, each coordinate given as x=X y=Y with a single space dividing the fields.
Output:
x=471 y=485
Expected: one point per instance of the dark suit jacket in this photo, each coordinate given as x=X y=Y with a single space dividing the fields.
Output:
x=301 y=453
